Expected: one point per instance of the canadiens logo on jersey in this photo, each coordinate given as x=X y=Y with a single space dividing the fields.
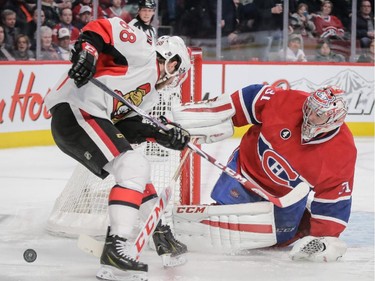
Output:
x=135 y=97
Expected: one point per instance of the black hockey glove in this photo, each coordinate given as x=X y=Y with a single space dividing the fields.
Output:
x=175 y=138
x=83 y=57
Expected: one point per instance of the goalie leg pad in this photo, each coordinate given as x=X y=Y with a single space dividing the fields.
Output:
x=225 y=228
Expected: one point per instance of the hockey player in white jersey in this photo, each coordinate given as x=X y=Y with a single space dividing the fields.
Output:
x=96 y=130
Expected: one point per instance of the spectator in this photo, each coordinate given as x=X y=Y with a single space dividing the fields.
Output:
x=22 y=48
x=342 y=9
x=294 y=51
x=268 y=26
x=368 y=54
x=314 y=6
x=230 y=19
x=77 y=10
x=327 y=25
x=301 y=22
x=116 y=9
x=365 y=24
x=325 y=54
x=66 y=17
x=23 y=11
x=63 y=4
x=48 y=49
x=51 y=13
x=85 y=16
x=32 y=25
x=8 y=18
x=64 y=45
x=5 y=53
x=198 y=19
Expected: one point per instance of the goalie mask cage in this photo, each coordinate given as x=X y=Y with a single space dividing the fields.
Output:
x=81 y=207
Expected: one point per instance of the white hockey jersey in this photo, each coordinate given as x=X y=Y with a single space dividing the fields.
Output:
x=134 y=78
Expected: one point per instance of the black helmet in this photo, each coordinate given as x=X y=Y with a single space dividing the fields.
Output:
x=147 y=4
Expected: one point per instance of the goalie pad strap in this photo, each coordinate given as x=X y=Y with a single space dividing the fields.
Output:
x=225 y=228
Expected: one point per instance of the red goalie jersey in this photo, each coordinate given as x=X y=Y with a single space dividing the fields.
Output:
x=283 y=148
x=273 y=153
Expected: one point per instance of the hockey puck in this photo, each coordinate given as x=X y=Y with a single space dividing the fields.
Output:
x=29 y=255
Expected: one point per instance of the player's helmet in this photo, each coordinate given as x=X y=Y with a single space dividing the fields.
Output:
x=170 y=47
x=150 y=4
x=323 y=111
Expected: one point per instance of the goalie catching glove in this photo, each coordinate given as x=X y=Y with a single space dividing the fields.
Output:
x=318 y=249
x=175 y=138
x=84 y=57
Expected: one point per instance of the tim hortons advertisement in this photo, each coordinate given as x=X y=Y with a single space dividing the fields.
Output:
x=23 y=87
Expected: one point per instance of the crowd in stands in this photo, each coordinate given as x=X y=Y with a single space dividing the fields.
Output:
x=318 y=30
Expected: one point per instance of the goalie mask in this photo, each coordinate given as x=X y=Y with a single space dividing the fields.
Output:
x=173 y=48
x=323 y=111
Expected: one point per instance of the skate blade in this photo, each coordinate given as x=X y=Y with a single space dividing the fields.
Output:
x=114 y=274
x=169 y=261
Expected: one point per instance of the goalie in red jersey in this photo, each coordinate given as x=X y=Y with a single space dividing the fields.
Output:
x=295 y=137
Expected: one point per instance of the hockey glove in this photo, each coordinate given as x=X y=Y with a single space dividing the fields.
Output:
x=84 y=58
x=175 y=138
x=318 y=249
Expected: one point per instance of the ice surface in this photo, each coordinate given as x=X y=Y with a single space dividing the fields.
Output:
x=32 y=178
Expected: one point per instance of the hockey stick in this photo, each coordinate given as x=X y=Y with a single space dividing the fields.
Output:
x=94 y=247
x=296 y=194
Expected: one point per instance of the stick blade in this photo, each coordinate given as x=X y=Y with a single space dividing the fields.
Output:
x=90 y=245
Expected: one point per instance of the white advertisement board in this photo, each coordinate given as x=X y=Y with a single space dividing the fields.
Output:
x=23 y=87
x=356 y=80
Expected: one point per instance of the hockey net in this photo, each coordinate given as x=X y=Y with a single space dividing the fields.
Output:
x=81 y=208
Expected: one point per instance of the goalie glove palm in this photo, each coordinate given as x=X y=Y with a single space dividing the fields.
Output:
x=84 y=58
x=175 y=138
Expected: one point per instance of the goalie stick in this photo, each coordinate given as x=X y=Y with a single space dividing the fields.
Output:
x=296 y=194
x=94 y=247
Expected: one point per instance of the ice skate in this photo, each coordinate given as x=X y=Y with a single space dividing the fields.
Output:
x=168 y=248
x=117 y=264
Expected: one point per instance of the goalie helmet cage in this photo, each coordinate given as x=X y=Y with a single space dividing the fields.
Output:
x=81 y=207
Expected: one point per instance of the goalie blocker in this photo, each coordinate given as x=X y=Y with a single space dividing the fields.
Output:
x=208 y=121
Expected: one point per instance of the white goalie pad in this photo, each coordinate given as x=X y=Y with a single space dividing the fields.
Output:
x=204 y=113
x=225 y=228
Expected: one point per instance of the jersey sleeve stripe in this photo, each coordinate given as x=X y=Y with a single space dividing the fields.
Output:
x=339 y=210
x=326 y=218
x=320 y=200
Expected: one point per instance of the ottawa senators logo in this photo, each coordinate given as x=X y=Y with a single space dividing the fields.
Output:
x=135 y=97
